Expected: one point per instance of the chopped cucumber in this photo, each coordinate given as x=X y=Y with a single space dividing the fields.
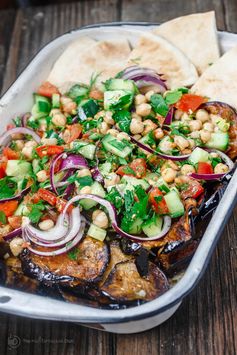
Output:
x=18 y=168
x=78 y=91
x=117 y=99
x=153 y=226
x=96 y=232
x=87 y=108
x=120 y=84
x=56 y=101
x=174 y=204
x=42 y=104
x=36 y=113
x=105 y=168
x=96 y=189
x=96 y=136
x=219 y=140
x=131 y=181
x=198 y=155
x=114 y=146
x=36 y=166
x=136 y=226
x=84 y=148
x=163 y=186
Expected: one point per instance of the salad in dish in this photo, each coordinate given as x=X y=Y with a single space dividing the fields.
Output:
x=100 y=188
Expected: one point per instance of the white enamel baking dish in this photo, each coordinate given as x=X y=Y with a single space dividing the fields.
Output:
x=17 y=100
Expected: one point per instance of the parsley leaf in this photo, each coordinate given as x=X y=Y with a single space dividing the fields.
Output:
x=115 y=198
x=3 y=218
x=123 y=118
x=159 y=105
x=7 y=187
x=36 y=212
x=173 y=96
x=73 y=254
x=158 y=198
x=85 y=181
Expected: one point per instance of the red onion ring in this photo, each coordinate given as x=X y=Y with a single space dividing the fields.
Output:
x=161 y=155
x=169 y=116
x=113 y=217
x=7 y=136
x=66 y=248
x=13 y=234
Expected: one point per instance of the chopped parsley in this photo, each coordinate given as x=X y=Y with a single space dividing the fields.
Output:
x=36 y=211
x=73 y=254
x=123 y=118
x=115 y=198
x=159 y=105
x=173 y=96
x=3 y=218
x=8 y=188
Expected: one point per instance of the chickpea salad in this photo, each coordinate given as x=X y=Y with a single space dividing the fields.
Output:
x=97 y=185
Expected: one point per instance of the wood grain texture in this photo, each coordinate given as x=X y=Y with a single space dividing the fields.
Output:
x=206 y=322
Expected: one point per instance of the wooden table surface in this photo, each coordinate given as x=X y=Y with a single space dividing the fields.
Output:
x=206 y=322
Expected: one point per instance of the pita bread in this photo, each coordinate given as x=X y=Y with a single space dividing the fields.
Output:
x=157 y=53
x=85 y=58
x=195 y=35
x=219 y=81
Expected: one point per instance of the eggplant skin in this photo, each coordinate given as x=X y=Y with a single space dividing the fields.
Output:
x=92 y=257
x=124 y=283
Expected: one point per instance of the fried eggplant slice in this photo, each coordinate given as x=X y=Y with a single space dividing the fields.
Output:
x=92 y=257
x=124 y=283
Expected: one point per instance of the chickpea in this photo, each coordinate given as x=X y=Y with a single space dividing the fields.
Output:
x=111 y=179
x=195 y=134
x=43 y=125
x=195 y=125
x=46 y=224
x=214 y=155
x=136 y=126
x=149 y=126
x=49 y=141
x=205 y=135
x=100 y=219
x=140 y=99
x=113 y=132
x=42 y=176
x=27 y=151
x=19 y=144
x=108 y=118
x=158 y=133
x=83 y=172
x=221 y=168
x=208 y=126
x=136 y=116
x=137 y=137
x=169 y=174
x=178 y=114
x=186 y=151
x=99 y=114
x=68 y=105
x=187 y=169
x=215 y=118
x=169 y=164
x=149 y=94
x=191 y=143
x=85 y=190
x=59 y=119
x=16 y=246
x=181 y=179
x=104 y=127
x=185 y=117
x=202 y=115
x=123 y=135
x=143 y=110
x=181 y=142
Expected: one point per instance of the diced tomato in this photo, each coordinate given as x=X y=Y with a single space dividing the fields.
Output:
x=193 y=189
x=72 y=132
x=49 y=150
x=157 y=201
x=204 y=168
x=8 y=207
x=15 y=221
x=125 y=170
x=139 y=167
x=3 y=166
x=190 y=102
x=47 y=89
x=47 y=196
x=10 y=154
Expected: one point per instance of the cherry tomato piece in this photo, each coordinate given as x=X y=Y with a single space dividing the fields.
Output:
x=190 y=102
x=47 y=89
x=157 y=201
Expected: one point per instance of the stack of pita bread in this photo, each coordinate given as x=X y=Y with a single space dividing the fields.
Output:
x=185 y=50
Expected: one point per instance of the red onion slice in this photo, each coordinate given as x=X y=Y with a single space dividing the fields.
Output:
x=52 y=170
x=169 y=116
x=163 y=156
x=13 y=234
x=7 y=136
x=113 y=217
x=73 y=161
x=66 y=248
